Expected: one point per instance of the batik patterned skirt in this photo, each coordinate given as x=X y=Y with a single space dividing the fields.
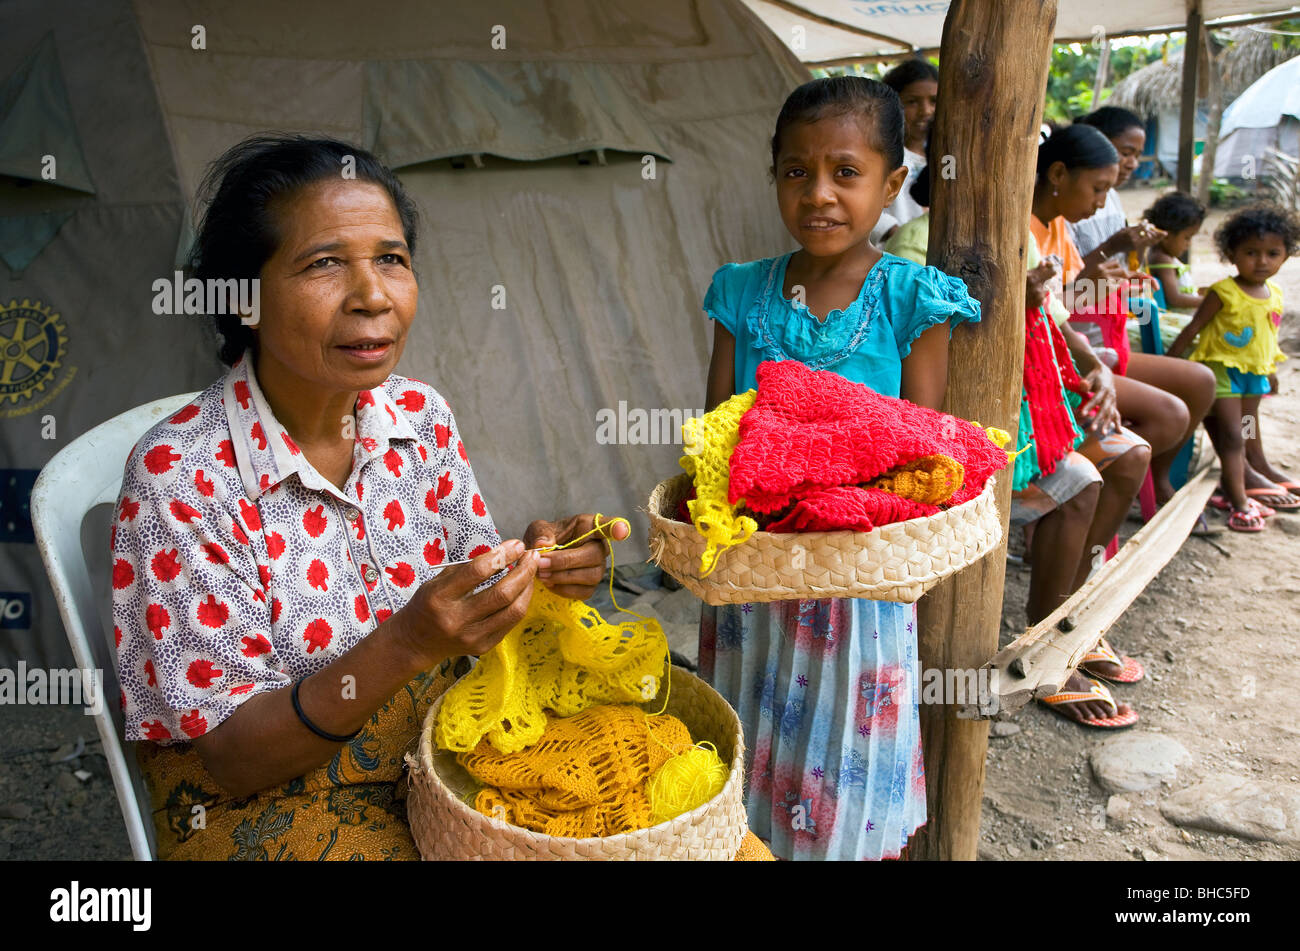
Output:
x=827 y=694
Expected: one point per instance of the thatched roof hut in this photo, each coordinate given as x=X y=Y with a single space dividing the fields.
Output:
x=1156 y=88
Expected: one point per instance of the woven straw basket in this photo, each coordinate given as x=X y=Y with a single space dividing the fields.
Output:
x=895 y=562
x=445 y=828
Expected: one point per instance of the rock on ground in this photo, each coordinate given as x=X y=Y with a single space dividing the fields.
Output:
x=1133 y=762
x=1238 y=806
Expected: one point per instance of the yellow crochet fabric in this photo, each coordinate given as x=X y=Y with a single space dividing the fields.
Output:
x=562 y=656
x=586 y=776
x=930 y=479
x=710 y=440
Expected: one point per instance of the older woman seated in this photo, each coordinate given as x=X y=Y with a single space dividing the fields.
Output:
x=282 y=618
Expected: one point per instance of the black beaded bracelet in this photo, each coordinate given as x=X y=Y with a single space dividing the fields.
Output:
x=297 y=708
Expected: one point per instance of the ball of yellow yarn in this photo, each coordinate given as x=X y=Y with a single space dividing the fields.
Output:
x=685 y=782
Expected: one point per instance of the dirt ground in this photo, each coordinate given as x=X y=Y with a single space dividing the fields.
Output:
x=1219 y=620
x=1211 y=626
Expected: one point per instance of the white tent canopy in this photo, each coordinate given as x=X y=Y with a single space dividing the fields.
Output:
x=824 y=31
x=1265 y=116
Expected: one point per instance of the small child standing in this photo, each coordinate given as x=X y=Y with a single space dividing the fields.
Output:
x=1236 y=330
x=826 y=689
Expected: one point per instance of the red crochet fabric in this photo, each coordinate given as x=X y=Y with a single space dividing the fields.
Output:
x=1045 y=349
x=849 y=508
x=1112 y=316
x=813 y=429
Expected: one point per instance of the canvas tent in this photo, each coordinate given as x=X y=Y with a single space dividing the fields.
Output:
x=1265 y=116
x=835 y=31
x=581 y=166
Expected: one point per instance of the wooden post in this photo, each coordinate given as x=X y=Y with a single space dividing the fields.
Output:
x=1187 y=111
x=992 y=77
x=1213 y=123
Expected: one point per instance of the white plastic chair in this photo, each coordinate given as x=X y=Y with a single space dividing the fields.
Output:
x=85 y=474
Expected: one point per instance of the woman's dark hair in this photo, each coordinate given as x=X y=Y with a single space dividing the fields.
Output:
x=1175 y=211
x=1257 y=221
x=920 y=190
x=874 y=104
x=1111 y=121
x=238 y=233
x=910 y=71
x=1076 y=146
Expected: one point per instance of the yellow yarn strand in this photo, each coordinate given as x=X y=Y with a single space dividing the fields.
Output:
x=685 y=782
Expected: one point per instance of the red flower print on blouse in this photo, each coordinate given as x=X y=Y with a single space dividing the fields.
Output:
x=445 y=485
x=275 y=545
x=318 y=575
x=317 y=635
x=477 y=505
x=154 y=730
x=362 y=608
x=393 y=462
x=226 y=454
x=213 y=613
x=288 y=441
x=128 y=510
x=184 y=414
x=201 y=673
x=441 y=433
x=396 y=517
x=160 y=459
x=433 y=552
x=158 y=620
x=248 y=512
x=242 y=394
x=194 y=724
x=151 y=678
x=411 y=400
x=314 y=521
x=204 y=485
x=401 y=574
x=123 y=574
x=184 y=513
x=255 y=645
x=165 y=565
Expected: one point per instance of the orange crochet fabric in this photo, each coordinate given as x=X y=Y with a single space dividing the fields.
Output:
x=586 y=776
x=813 y=430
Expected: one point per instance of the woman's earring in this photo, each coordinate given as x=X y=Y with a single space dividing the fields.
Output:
x=1053 y=192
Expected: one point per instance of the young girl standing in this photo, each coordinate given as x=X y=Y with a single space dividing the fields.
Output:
x=1235 y=330
x=826 y=688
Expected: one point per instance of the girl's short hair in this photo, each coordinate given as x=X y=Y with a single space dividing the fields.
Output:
x=1111 y=121
x=1175 y=211
x=872 y=102
x=238 y=232
x=1076 y=147
x=1256 y=221
x=914 y=70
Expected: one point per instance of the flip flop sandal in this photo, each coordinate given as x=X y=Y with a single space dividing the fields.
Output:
x=1291 y=506
x=1289 y=486
x=1097 y=691
x=1132 y=671
x=1219 y=501
x=1249 y=520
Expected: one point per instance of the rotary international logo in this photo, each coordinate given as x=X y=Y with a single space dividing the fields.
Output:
x=33 y=343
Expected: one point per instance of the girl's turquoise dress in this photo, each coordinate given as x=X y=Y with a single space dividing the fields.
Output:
x=826 y=690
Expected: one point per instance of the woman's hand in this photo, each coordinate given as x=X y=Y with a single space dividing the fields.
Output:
x=1101 y=411
x=1036 y=282
x=1107 y=271
x=445 y=618
x=1133 y=238
x=573 y=572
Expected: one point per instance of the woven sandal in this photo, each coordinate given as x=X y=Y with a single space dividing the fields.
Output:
x=1103 y=653
x=1097 y=691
